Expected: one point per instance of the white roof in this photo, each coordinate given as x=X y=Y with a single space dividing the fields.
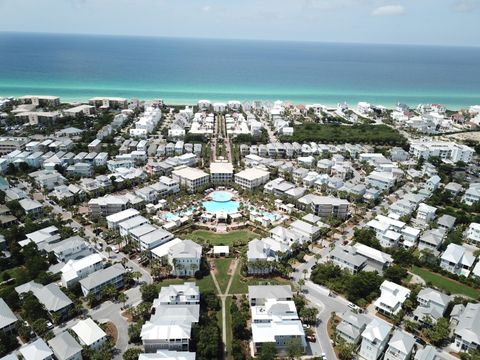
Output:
x=221 y=249
x=168 y=355
x=266 y=332
x=377 y=330
x=88 y=331
x=189 y=173
x=122 y=215
x=252 y=173
x=37 y=350
x=221 y=168
x=162 y=250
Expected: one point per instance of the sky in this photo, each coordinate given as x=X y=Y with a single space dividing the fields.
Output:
x=433 y=22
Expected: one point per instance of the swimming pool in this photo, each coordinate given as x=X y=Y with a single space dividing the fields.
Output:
x=214 y=207
x=221 y=196
x=270 y=216
x=169 y=216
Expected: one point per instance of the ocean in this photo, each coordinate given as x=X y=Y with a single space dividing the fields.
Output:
x=182 y=71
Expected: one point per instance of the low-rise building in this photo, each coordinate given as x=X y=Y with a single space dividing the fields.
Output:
x=7 y=318
x=251 y=178
x=432 y=304
x=89 y=334
x=192 y=179
x=221 y=172
x=97 y=281
x=457 y=260
x=467 y=330
x=374 y=339
x=185 y=257
x=400 y=346
x=392 y=298
x=65 y=347
x=351 y=326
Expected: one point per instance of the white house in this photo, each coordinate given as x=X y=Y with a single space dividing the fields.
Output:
x=431 y=303
x=185 y=257
x=392 y=298
x=89 y=333
x=400 y=346
x=374 y=339
x=467 y=330
x=473 y=233
x=457 y=260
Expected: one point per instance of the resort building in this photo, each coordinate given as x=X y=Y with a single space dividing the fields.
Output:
x=221 y=172
x=325 y=206
x=442 y=149
x=192 y=179
x=114 y=220
x=109 y=102
x=251 y=178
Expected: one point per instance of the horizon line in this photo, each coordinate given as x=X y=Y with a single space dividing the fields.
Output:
x=232 y=39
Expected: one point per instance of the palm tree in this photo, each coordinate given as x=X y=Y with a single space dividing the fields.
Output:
x=108 y=249
x=122 y=297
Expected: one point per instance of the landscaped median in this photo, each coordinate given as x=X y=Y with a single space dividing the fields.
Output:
x=442 y=282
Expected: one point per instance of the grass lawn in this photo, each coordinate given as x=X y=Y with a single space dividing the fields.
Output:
x=221 y=266
x=19 y=274
x=228 y=324
x=244 y=236
x=240 y=285
x=205 y=284
x=444 y=283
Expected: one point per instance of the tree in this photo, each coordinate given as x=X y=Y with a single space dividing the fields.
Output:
x=134 y=331
x=396 y=274
x=268 y=351
x=439 y=332
x=309 y=315
x=122 y=297
x=345 y=350
x=23 y=330
x=132 y=353
x=8 y=343
x=294 y=348
x=40 y=326
x=367 y=237
x=149 y=292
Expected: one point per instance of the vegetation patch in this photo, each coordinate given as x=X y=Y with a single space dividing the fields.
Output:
x=444 y=283
x=230 y=238
x=363 y=133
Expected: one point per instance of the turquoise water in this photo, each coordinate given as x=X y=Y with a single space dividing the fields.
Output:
x=270 y=216
x=229 y=207
x=78 y=67
x=169 y=216
x=221 y=196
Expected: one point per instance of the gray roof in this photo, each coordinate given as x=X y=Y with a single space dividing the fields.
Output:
x=52 y=297
x=269 y=292
x=102 y=276
x=348 y=255
x=7 y=317
x=180 y=313
x=434 y=296
x=469 y=324
x=402 y=341
x=427 y=353
x=64 y=346
x=446 y=220
x=186 y=249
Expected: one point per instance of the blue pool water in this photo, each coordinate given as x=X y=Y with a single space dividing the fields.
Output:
x=270 y=216
x=229 y=207
x=221 y=196
x=175 y=216
x=170 y=216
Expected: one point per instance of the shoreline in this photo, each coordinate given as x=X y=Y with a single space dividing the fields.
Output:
x=193 y=101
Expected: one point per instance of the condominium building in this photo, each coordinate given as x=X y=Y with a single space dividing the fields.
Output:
x=221 y=172
x=192 y=179
x=251 y=178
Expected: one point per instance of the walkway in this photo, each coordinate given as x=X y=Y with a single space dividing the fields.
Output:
x=223 y=297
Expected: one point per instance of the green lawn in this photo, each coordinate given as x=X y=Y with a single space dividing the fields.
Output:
x=240 y=285
x=19 y=274
x=444 y=283
x=205 y=284
x=221 y=266
x=228 y=325
x=244 y=236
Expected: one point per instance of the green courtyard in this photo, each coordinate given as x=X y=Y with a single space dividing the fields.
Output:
x=230 y=238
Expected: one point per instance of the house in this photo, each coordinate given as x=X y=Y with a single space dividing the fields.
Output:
x=432 y=304
x=49 y=235
x=173 y=313
x=473 y=233
x=89 y=333
x=192 y=179
x=381 y=180
x=251 y=178
x=457 y=260
x=427 y=353
x=65 y=347
x=7 y=318
x=374 y=339
x=98 y=280
x=37 y=350
x=108 y=205
x=168 y=355
x=154 y=238
x=376 y=260
x=400 y=346
x=126 y=226
x=259 y=253
x=347 y=258
x=184 y=257
x=75 y=270
x=426 y=213
x=274 y=317
x=431 y=239
x=71 y=248
x=446 y=222
x=50 y=296
x=453 y=188
x=351 y=326
x=31 y=208
x=467 y=330
x=391 y=298
x=472 y=194
x=433 y=183
x=309 y=231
